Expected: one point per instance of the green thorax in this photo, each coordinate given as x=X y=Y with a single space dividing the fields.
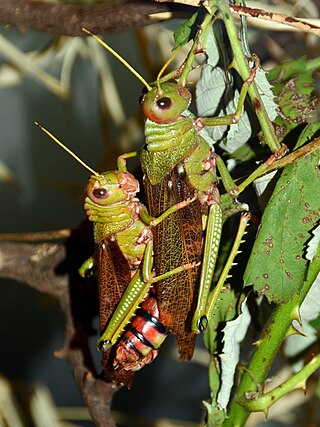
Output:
x=127 y=241
x=114 y=220
x=126 y=232
x=166 y=145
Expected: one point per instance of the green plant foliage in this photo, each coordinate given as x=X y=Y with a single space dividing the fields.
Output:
x=266 y=93
x=277 y=266
x=233 y=334
x=214 y=97
x=293 y=86
x=183 y=32
x=224 y=311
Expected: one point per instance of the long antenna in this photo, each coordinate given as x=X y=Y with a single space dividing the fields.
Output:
x=166 y=65
x=67 y=149
x=122 y=60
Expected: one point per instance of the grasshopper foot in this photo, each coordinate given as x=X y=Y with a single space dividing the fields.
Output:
x=202 y=323
x=104 y=345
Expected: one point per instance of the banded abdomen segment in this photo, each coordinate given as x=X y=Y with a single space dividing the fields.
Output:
x=177 y=241
x=143 y=338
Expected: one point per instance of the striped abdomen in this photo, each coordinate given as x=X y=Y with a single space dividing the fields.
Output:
x=142 y=340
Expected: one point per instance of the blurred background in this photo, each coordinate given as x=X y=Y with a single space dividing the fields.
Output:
x=88 y=100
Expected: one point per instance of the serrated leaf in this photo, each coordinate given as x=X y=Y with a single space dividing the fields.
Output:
x=265 y=91
x=293 y=85
x=209 y=94
x=212 y=48
x=239 y=133
x=183 y=33
x=210 y=90
x=284 y=72
x=277 y=265
x=234 y=332
x=311 y=131
x=224 y=310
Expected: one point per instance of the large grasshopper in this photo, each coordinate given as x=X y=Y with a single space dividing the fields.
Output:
x=177 y=162
x=124 y=257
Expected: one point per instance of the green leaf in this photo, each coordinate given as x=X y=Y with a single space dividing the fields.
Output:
x=183 y=33
x=210 y=90
x=237 y=134
x=234 y=332
x=223 y=311
x=213 y=98
x=213 y=47
x=266 y=93
x=293 y=86
x=277 y=266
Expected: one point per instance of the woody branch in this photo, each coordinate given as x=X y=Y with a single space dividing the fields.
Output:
x=47 y=267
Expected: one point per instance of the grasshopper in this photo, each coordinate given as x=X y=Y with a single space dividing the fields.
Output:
x=124 y=257
x=178 y=162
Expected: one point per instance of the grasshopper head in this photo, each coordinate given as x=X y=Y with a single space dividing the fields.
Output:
x=165 y=104
x=112 y=187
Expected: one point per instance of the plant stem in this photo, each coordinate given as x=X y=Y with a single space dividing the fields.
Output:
x=278 y=327
x=190 y=58
x=295 y=382
x=244 y=71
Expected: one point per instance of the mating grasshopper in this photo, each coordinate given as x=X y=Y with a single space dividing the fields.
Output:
x=124 y=256
x=177 y=162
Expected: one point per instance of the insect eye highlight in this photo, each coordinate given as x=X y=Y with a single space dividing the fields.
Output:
x=143 y=94
x=164 y=103
x=100 y=193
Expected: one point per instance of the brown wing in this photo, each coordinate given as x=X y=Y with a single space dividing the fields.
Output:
x=177 y=241
x=113 y=278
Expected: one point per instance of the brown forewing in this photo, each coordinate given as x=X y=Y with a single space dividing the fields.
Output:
x=113 y=278
x=177 y=241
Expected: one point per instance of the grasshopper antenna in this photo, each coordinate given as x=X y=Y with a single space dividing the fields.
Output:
x=67 y=149
x=122 y=60
x=167 y=63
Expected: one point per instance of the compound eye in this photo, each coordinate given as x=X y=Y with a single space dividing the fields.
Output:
x=143 y=94
x=164 y=103
x=100 y=193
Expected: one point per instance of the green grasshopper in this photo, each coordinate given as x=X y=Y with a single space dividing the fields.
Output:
x=177 y=162
x=124 y=258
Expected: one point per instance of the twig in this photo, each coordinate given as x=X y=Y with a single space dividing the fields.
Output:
x=305 y=25
x=295 y=155
x=302 y=25
x=51 y=268
x=69 y=19
x=36 y=236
